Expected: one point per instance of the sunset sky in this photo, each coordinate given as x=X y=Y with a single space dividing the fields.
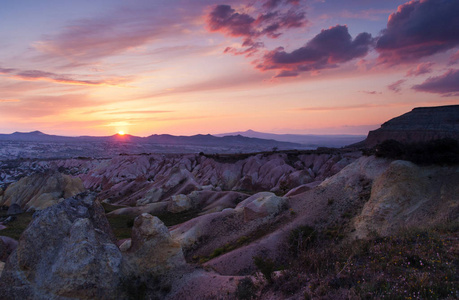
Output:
x=186 y=67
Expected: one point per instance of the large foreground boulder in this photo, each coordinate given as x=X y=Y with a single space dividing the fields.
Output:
x=407 y=195
x=67 y=252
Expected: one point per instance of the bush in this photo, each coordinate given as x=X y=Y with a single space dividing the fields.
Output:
x=442 y=151
x=266 y=267
x=245 y=289
x=301 y=238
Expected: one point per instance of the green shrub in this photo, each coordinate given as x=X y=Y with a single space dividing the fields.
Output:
x=301 y=238
x=265 y=266
x=245 y=289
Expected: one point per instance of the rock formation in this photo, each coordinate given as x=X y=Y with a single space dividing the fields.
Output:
x=38 y=191
x=67 y=251
x=419 y=125
x=407 y=195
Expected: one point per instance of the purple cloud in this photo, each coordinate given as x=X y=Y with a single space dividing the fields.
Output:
x=225 y=19
x=59 y=78
x=270 y=4
x=268 y=21
x=326 y=50
x=396 y=86
x=419 y=29
x=420 y=69
x=371 y=92
x=446 y=84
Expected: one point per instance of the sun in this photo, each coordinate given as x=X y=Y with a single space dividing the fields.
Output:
x=121 y=133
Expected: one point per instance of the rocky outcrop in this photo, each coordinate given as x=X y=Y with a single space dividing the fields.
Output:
x=66 y=252
x=407 y=195
x=422 y=124
x=38 y=191
x=7 y=245
x=152 y=250
x=261 y=205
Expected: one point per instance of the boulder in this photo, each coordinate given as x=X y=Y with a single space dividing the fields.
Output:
x=152 y=250
x=408 y=195
x=7 y=246
x=179 y=203
x=302 y=188
x=261 y=205
x=14 y=209
x=67 y=251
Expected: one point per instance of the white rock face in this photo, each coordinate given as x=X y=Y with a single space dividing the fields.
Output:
x=261 y=205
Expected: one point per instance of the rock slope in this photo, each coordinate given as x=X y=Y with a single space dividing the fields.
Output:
x=419 y=125
x=41 y=190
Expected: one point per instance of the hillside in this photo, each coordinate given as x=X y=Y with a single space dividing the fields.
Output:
x=419 y=125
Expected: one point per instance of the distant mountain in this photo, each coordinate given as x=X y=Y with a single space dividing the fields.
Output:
x=422 y=124
x=163 y=139
x=309 y=140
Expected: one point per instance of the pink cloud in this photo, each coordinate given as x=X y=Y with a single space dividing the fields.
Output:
x=33 y=75
x=396 y=86
x=420 y=69
x=87 y=40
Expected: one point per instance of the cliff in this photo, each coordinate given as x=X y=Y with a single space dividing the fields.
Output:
x=419 y=125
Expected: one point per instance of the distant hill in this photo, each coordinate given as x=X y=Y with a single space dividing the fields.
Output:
x=309 y=140
x=422 y=124
x=165 y=139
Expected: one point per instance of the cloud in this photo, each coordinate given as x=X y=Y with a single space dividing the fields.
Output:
x=326 y=50
x=44 y=106
x=446 y=84
x=341 y=108
x=60 y=78
x=88 y=40
x=419 y=29
x=396 y=86
x=270 y=4
x=9 y=100
x=269 y=20
x=6 y=70
x=420 y=69
x=454 y=58
x=371 y=92
x=225 y=19
x=146 y=112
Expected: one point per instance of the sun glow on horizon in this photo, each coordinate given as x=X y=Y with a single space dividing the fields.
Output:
x=121 y=133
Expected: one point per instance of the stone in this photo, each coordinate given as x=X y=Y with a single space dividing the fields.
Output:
x=64 y=253
x=179 y=203
x=261 y=205
x=152 y=250
x=14 y=209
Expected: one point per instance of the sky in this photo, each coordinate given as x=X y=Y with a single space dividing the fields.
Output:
x=197 y=67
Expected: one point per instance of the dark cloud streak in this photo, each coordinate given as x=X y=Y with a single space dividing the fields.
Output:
x=446 y=84
x=326 y=50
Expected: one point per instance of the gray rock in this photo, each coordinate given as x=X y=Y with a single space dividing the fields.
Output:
x=67 y=251
x=14 y=209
